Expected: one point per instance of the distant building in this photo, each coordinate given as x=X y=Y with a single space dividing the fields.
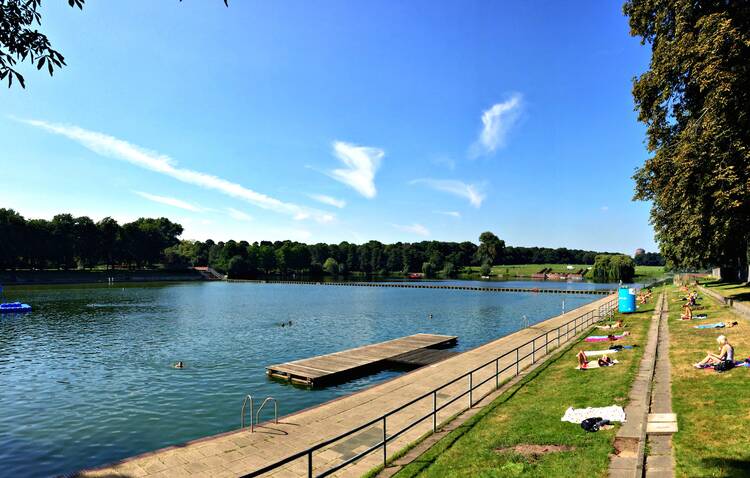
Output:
x=640 y=251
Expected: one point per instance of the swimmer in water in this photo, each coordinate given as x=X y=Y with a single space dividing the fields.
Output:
x=179 y=364
x=429 y=316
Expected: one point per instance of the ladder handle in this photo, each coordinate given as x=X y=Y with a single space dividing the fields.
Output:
x=275 y=410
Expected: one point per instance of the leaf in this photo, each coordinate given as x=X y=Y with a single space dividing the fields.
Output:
x=40 y=64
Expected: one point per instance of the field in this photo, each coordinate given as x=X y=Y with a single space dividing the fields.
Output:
x=526 y=270
x=730 y=290
x=713 y=409
x=529 y=414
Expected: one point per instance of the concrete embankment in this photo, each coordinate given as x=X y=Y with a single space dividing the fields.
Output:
x=408 y=399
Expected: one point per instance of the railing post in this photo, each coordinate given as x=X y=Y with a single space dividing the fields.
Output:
x=434 y=411
x=516 y=361
x=497 y=373
x=385 y=448
x=471 y=389
x=546 y=343
x=309 y=464
x=533 y=351
x=558 y=336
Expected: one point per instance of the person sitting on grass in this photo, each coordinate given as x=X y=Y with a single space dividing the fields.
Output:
x=726 y=353
x=687 y=313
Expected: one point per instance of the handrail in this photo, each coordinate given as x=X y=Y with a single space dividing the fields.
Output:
x=605 y=310
x=275 y=410
x=242 y=420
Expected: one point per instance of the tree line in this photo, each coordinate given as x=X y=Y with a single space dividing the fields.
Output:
x=68 y=242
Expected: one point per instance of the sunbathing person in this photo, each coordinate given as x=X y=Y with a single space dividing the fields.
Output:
x=726 y=352
x=687 y=313
x=605 y=361
x=616 y=325
x=582 y=359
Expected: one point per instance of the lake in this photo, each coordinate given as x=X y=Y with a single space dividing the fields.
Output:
x=87 y=377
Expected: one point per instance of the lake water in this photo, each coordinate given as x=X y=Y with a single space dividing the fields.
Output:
x=87 y=378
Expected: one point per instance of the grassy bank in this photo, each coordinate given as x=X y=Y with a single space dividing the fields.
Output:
x=730 y=290
x=642 y=273
x=529 y=414
x=713 y=409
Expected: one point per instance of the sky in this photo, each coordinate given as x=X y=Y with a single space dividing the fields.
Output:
x=336 y=121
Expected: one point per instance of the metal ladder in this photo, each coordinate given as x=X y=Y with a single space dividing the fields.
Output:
x=249 y=398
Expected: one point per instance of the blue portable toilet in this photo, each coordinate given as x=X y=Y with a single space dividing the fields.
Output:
x=626 y=300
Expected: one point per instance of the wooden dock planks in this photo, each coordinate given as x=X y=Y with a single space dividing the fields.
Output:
x=335 y=366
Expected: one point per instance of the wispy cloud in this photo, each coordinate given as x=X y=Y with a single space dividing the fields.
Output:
x=448 y=213
x=496 y=122
x=169 y=201
x=415 y=228
x=362 y=162
x=473 y=192
x=604 y=208
x=331 y=201
x=112 y=147
x=238 y=215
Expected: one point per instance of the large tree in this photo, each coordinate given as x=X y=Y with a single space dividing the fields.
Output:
x=695 y=100
x=20 y=39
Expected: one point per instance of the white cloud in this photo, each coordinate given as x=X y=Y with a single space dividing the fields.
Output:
x=415 y=228
x=448 y=213
x=331 y=201
x=496 y=122
x=112 y=147
x=238 y=215
x=473 y=192
x=174 y=202
x=604 y=208
x=362 y=162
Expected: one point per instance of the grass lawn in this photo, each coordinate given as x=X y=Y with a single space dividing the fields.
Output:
x=642 y=273
x=730 y=290
x=530 y=412
x=713 y=409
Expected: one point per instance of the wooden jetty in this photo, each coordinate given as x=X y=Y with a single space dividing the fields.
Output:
x=411 y=285
x=414 y=350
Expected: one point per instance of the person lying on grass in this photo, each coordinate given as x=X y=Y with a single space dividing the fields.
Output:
x=583 y=360
x=616 y=325
x=726 y=353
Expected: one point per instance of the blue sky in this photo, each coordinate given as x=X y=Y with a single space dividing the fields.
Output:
x=339 y=120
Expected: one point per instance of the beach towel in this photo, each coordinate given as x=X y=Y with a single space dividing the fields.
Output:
x=700 y=316
x=612 y=413
x=718 y=325
x=609 y=327
x=603 y=338
x=595 y=364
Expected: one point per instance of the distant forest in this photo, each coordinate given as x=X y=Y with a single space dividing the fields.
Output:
x=68 y=242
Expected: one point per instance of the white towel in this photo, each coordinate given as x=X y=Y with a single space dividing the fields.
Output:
x=595 y=364
x=594 y=353
x=612 y=413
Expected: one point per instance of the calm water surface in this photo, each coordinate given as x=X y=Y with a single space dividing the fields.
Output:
x=87 y=377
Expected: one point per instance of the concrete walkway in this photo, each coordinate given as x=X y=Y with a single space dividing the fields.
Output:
x=649 y=395
x=241 y=452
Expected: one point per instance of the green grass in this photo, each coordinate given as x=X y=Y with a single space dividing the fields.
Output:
x=713 y=410
x=730 y=290
x=526 y=270
x=530 y=412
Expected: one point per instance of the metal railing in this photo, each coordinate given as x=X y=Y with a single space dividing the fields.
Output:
x=558 y=337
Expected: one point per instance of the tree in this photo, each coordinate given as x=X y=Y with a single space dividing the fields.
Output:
x=491 y=248
x=109 y=241
x=428 y=269
x=330 y=266
x=613 y=268
x=485 y=270
x=20 y=40
x=12 y=227
x=694 y=101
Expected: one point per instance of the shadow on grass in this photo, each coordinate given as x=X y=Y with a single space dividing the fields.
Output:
x=729 y=466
